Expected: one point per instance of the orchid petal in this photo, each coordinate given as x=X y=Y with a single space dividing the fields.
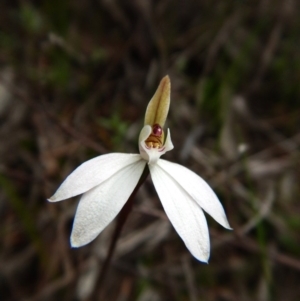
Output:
x=99 y=206
x=184 y=213
x=144 y=134
x=92 y=173
x=168 y=143
x=198 y=189
x=153 y=154
x=158 y=107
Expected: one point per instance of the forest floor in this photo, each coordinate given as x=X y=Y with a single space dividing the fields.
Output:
x=75 y=81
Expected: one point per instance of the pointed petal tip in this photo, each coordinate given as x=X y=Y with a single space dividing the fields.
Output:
x=165 y=83
x=168 y=143
x=225 y=224
x=203 y=259
x=55 y=198
x=166 y=79
x=75 y=244
x=78 y=239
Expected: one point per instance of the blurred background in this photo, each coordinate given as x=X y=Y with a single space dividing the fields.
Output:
x=75 y=80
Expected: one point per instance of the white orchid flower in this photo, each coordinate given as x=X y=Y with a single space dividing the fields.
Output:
x=107 y=181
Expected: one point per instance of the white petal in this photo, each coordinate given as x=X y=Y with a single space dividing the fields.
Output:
x=168 y=143
x=186 y=216
x=92 y=173
x=99 y=206
x=198 y=189
x=144 y=134
x=153 y=154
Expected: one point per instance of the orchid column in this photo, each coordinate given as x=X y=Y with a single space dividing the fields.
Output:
x=107 y=182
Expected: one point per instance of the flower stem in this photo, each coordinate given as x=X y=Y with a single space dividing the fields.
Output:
x=121 y=219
